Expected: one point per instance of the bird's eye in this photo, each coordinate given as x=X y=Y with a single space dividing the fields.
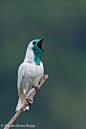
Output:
x=34 y=43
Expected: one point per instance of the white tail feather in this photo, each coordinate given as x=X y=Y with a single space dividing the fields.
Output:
x=19 y=106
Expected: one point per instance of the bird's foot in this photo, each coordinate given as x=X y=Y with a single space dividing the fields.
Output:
x=36 y=88
x=30 y=101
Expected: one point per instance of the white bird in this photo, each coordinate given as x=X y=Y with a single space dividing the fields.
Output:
x=30 y=72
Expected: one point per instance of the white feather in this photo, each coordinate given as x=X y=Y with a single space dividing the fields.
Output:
x=29 y=74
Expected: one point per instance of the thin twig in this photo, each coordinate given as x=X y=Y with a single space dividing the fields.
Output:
x=25 y=103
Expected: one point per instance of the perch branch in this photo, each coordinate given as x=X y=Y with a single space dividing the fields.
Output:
x=25 y=103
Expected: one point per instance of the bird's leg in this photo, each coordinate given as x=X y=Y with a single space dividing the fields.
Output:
x=30 y=101
x=36 y=88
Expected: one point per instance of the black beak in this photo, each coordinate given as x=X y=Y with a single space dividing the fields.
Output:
x=39 y=44
x=42 y=39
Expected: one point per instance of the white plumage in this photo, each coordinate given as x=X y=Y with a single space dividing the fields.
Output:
x=29 y=72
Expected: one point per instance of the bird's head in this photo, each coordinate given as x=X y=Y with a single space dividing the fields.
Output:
x=35 y=47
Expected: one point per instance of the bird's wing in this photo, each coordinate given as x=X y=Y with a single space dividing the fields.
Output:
x=42 y=68
x=21 y=72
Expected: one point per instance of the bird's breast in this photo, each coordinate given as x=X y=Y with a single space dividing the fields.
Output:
x=33 y=70
x=32 y=74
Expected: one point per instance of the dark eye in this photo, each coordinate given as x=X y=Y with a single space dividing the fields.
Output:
x=34 y=43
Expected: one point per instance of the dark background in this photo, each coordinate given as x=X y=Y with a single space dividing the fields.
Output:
x=61 y=102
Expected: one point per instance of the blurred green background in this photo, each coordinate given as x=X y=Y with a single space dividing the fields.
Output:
x=61 y=102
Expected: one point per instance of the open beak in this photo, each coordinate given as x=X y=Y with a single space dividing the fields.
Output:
x=39 y=44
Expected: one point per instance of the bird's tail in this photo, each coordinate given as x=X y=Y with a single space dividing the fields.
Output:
x=19 y=106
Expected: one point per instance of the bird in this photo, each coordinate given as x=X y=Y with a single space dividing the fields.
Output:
x=30 y=72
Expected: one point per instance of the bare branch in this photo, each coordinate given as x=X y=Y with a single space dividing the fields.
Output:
x=25 y=103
